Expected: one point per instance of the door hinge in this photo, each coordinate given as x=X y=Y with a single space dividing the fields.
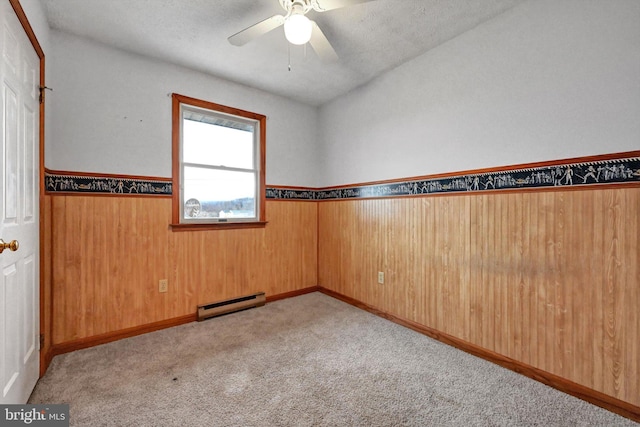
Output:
x=42 y=89
x=41 y=341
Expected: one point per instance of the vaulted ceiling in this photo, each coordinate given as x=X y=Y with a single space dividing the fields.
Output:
x=370 y=38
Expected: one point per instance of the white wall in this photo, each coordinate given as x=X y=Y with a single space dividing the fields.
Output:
x=38 y=21
x=111 y=113
x=549 y=79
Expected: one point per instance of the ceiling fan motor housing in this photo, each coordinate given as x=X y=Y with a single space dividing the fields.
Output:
x=296 y=7
x=298 y=28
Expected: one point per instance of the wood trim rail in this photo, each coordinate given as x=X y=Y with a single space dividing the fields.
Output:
x=592 y=396
x=614 y=170
x=497 y=169
x=22 y=17
x=582 y=173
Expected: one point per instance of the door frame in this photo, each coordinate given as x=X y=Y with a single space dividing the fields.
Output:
x=45 y=335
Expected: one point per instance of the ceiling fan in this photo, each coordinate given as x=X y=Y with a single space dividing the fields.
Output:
x=298 y=29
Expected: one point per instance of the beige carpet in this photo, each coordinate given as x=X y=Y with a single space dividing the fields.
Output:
x=305 y=361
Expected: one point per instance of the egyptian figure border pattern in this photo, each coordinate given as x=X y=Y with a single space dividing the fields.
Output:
x=102 y=184
x=582 y=174
x=623 y=170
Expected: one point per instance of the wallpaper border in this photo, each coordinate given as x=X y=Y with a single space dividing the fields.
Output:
x=568 y=174
x=610 y=169
x=56 y=182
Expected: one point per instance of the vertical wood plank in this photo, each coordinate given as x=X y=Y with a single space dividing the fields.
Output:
x=107 y=279
x=598 y=272
x=526 y=279
x=632 y=299
x=613 y=296
x=475 y=273
x=488 y=265
x=580 y=234
x=551 y=279
x=547 y=278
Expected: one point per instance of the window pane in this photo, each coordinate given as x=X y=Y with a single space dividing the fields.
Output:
x=220 y=166
x=212 y=193
x=216 y=145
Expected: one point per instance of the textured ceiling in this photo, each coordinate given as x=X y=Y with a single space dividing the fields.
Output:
x=370 y=38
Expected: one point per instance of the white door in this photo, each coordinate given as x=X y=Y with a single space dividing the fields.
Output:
x=19 y=270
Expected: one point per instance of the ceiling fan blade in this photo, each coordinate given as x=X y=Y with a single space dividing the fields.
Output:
x=321 y=45
x=255 y=31
x=324 y=5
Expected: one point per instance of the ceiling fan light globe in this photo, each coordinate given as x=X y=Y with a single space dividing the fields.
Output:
x=297 y=29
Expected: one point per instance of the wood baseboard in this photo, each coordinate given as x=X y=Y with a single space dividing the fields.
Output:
x=87 y=342
x=45 y=360
x=597 y=398
x=291 y=294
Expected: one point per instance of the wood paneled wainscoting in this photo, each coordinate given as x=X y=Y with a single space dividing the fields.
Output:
x=547 y=279
x=109 y=252
x=535 y=267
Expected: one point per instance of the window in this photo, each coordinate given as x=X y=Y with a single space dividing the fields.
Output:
x=218 y=166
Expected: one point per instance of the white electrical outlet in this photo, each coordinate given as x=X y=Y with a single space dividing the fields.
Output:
x=380 y=277
x=163 y=285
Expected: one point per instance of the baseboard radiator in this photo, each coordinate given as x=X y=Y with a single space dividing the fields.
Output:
x=214 y=309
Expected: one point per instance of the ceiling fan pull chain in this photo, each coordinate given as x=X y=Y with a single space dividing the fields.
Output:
x=289 y=54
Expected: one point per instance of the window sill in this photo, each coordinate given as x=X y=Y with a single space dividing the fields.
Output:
x=217 y=226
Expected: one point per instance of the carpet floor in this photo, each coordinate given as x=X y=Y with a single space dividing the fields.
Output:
x=311 y=360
